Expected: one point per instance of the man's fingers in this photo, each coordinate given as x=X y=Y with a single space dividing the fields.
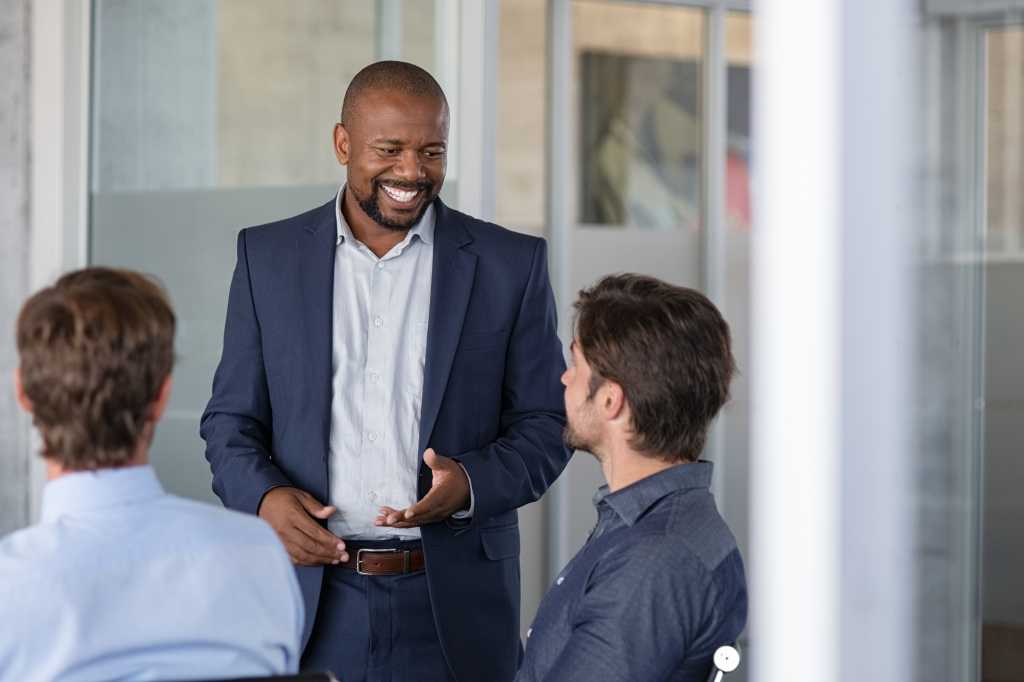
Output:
x=324 y=512
x=322 y=553
x=303 y=558
x=328 y=542
x=313 y=506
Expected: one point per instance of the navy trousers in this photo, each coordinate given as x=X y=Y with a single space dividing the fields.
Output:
x=376 y=628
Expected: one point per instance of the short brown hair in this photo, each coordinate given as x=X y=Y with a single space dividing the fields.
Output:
x=668 y=347
x=94 y=350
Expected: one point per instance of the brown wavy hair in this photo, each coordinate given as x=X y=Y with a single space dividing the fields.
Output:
x=94 y=350
x=669 y=349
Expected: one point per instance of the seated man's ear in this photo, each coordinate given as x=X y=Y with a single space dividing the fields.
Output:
x=19 y=391
x=163 y=396
x=612 y=400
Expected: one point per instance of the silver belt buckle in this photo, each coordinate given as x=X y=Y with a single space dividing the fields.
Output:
x=359 y=558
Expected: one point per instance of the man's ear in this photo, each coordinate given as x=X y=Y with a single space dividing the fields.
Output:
x=163 y=396
x=611 y=400
x=19 y=391
x=342 y=144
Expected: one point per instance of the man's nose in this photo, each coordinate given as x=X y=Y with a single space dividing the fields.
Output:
x=409 y=167
x=565 y=378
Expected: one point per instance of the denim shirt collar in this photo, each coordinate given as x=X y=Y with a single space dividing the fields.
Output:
x=631 y=502
x=86 y=491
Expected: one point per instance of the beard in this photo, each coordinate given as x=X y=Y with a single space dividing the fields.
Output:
x=576 y=439
x=371 y=203
x=573 y=440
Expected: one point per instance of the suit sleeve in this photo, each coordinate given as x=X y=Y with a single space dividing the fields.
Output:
x=237 y=422
x=529 y=454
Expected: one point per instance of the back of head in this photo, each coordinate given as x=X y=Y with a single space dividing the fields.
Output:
x=668 y=347
x=94 y=351
x=392 y=76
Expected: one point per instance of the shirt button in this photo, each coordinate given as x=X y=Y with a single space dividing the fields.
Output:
x=560 y=580
x=378 y=321
x=380 y=266
x=371 y=496
x=371 y=436
x=374 y=377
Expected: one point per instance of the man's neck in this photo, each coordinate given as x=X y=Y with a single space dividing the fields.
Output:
x=377 y=238
x=54 y=470
x=623 y=466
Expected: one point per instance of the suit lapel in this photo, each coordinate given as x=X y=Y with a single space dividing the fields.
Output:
x=451 y=286
x=316 y=245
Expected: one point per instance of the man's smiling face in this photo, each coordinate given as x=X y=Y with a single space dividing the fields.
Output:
x=395 y=149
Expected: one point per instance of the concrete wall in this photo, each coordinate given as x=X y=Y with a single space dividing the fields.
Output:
x=14 y=236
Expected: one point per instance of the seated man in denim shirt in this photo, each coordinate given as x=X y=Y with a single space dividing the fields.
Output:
x=659 y=584
x=119 y=580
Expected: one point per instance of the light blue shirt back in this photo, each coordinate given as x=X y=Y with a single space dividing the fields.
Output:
x=122 y=581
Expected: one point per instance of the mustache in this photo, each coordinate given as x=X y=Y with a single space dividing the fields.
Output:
x=422 y=185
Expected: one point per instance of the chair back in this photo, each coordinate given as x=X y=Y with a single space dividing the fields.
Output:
x=725 y=660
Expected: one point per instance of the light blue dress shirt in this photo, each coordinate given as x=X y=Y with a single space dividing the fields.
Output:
x=380 y=318
x=121 y=581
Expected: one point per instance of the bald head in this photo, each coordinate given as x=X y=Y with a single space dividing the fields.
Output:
x=389 y=76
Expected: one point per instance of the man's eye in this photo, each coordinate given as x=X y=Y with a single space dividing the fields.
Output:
x=434 y=153
x=388 y=151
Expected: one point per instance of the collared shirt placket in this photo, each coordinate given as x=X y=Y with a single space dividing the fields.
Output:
x=379 y=344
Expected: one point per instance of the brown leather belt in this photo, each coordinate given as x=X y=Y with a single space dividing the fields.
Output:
x=384 y=561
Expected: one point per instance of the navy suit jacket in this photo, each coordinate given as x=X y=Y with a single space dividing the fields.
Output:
x=491 y=400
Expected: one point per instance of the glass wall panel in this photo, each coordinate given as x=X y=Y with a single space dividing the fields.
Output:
x=521 y=154
x=970 y=554
x=639 y=76
x=1002 y=564
x=209 y=117
x=638 y=169
x=949 y=356
x=733 y=466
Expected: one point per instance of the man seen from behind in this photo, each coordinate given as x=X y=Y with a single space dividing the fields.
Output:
x=120 y=580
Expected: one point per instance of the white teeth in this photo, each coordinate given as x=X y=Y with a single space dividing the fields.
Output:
x=402 y=196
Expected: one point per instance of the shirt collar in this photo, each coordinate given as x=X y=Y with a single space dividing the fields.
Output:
x=85 y=491
x=424 y=227
x=632 y=501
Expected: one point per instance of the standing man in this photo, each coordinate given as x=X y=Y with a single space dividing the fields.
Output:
x=119 y=580
x=659 y=585
x=390 y=371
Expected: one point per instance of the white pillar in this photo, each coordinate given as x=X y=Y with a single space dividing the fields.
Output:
x=832 y=342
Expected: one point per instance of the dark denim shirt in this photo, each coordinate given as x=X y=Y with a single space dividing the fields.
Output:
x=658 y=586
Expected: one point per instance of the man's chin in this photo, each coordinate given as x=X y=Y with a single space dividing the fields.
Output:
x=574 y=442
x=401 y=221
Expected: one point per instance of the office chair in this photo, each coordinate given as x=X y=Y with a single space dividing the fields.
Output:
x=725 y=660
